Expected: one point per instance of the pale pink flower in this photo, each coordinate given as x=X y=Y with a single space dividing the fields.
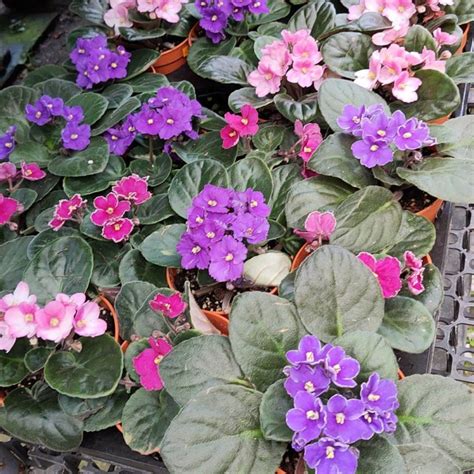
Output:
x=7 y=341
x=147 y=5
x=443 y=38
x=375 y=6
x=306 y=49
x=134 y=188
x=304 y=73
x=171 y=306
x=21 y=319
x=356 y=11
x=7 y=171
x=291 y=38
x=399 y=12
x=385 y=37
x=32 y=172
x=277 y=53
x=74 y=301
x=54 y=321
x=265 y=79
x=405 y=87
x=430 y=62
x=318 y=226
x=21 y=294
x=168 y=10
x=387 y=270
x=118 y=229
x=87 y=321
x=117 y=17
x=389 y=72
x=368 y=78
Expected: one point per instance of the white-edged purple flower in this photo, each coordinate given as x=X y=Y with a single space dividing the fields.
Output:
x=412 y=135
x=351 y=119
x=379 y=394
x=371 y=152
x=341 y=368
x=312 y=380
x=328 y=456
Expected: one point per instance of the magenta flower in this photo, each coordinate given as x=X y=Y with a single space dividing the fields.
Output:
x=415 y=282
x=118 y=229
x=341 y=368
x=31 y=172
x=7 y=341
x=8 y=207
x=245 y=124
x=318 y=226
x=147 y=363
x=7 y=171
x=330 y=456
x=412 y=262
x=171 y=306
x=76 y=137
x=311 y=379
x=54 y=321
x=107 y=208
x=20 y=295
x=310 y=137
x=133 y=188
x=87 y=321
x=230 y=137
x=65 y=210
x=387 y=270
x=227 y=259
x=21 y=319
x=7 y=142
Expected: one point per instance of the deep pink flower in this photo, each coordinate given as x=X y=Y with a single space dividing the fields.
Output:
x=107 y=208
x=415 y=267
x=230 y=137
x=146 y=364
x=318 y=225
x=21 y=320
x=54 y=321
x=171 y=306
x=7 y=171
x=246 y=124
x=411 y=261
x=387 y=270
x=133 y=188
x=7 y=341
x=87 y=321
x=21 y=294
x=8 y=207
x=31 y=172
x=65 y=210
x=117 y=229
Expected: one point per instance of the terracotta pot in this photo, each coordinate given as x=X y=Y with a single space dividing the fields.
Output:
x=401 y=375
x=300 y=257
x=431 y=211
x=172 y=59
x=106 y=304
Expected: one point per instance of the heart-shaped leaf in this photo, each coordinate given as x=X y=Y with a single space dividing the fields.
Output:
x=36 y=358
x=141 y=61
x=43 y=73
x=304 y=109
x=345 y=297
x=46 y=237
x=283 y=178
x=380 y=456
x=13 y=261
x=202 y=49
x=117 y=94
x=460 y=68
x=159 y=247
x=93 y=105
x=26 y=197
x=269 y=137
x=251 y=173
x=58 y=88
x=133 y=267
x=456 y=137
x=154 y=210
x=12 y=366
x=418 y=38
x=116 y=116
x=14 y=99
x=108 y=415
x=317 y=16
x=462 y=9
x=247 y=95
x=107 y=258
x=226 y=70
x=31 y=152
x=278 y=9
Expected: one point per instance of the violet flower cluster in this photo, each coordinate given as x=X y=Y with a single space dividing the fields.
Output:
x=96 y=63
x=7 y=142
x=216 y=14
x=168 y=115
x=47 y=110
x=23 y=317
x=326 y=429
x=220 y=223
x=381 y=134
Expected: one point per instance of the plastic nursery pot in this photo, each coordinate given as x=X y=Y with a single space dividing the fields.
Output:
x=431 y=211
x=172 y=59
x=106 y=304
x=124 y=347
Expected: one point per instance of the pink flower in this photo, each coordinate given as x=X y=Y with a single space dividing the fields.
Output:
x=430 y=62
x=147 y=5
x=399 y=12
x=108 y=207
x=230 y=137
x=65 y=210
x=7 y=341
x=405 y=87
x=318 y=226
x=117 y=17
x=311 y=138
x=21 y=320
x=54 y=321
x=291 y=38
x=117 y=229
x=133 y=188
x=412 y=262
x=168 y=10
x=277 y=53
x=8 y=207
x=7 y=171
x=87 y=321
x=304 y=72
x=74 y=301
x=390 y=71
x=415 y=282
x=171 y=306
x=32 y=172
x=266 y=78
x=306 y=49
x=246 y=124
x=387 y=270
x=21 y=294
x=146 y=364
x=443 y=38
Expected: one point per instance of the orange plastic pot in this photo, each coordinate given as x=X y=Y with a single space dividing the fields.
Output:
x=174 y=58
x=106 y=304
x=300 y=257
x=431 y=211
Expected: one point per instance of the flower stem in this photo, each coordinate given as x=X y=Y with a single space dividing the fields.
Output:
x=151 y=156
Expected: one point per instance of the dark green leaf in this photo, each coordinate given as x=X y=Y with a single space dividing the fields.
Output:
x=318 y=16
x=25 y=196
x=14 y=99
x=108 y=415
x=107 y=258
x=304 y=109
x=226 y=70
x=159 y=247
x=93 y=105
x=418 y=38
x=379 y=456
x=43 y=73
x=117 y=94
x=90 y=10
x=141 y=61
x=133 y=267
x=461 y=68
x=58 y=88
x=116 y=116
x=31 y=152
x=283 y=178
x=13 y=261
x=247 y=95
x=139 y=34
x=37 y=357
x=157 y=173
x=12 y=365
x=202 y=49
x=251 y=173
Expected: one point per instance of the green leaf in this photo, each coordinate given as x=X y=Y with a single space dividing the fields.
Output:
x=108 y=415
x=278 y=9
x=407 y=325
x=14 y=99
x=202 y=49
x=96 y=183
x=424 y=459
x=226 y=70
x=312 y=195
x=63 y=266
x=93 y=372
x=334 y=94
x=46 y=237
x=196 y=365
x=159 y=247
x=379 y=456
x=345 y=297
x=133 y=267
x=25 y=196
x=346 y=53
x=12 y=366
x=81 y=407
x=334 y=158
x=107 y=258
x=373 y=353
x=433 y=410
x=247 y=95
x=141 y=61
x=456 y=137
x=145 y=419
x=34 y=415
x=367 y=221
x=208 y=146
x=418 y=38
x=154 y=210
x=275 y=404
x=262 y=328
x=460 y=68
x=233 y=442
x=87 y=162
x=140 y=34
x=36 y=358
x=449 y=179
x=212 y=121
x=251 y=173
x=269 y=137
x=117 y=94
x=90 y=10
x=462 y=9
x=43 y=73
x=304 y=109
x=283 y=178
x=13 y=261
x=116 y=116
x=431 y=106
x=157 y=173
x=191 y=179
x=31 y=152
x=268 y=269
x=93 y=105
x=89 y=229
x=58 y=88
x=134 y=312
x=317 y=16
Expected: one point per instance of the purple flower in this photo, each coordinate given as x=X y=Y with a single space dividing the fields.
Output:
x=253 y=202
x=379 y=394
x=331 y=457
x=390 y=421
x=351 y=119
x=73 y=113
x=252 y=228
x=241 y=3
x=343 y=419
x=38 y=113
x=227 y=259
x=213 y=20
x=372 y=152
x=312 y=380
x=215 y=37
x=309 y=352
x=117 y=64
x=210 y=233
x=7 y=142
x=373 y=423
x=413 y=134
x=307 y=418
x=85 y=46
x=54 y=105
x=378 y=127
x=119 y=139
x=165 y=96
x=147 y=121
x=75 y=136
x=172 y=122
x=213 y=199
x=257 y=7
x=196 y=217
x=297 y=442
x=193 y=255
x=341 y=368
